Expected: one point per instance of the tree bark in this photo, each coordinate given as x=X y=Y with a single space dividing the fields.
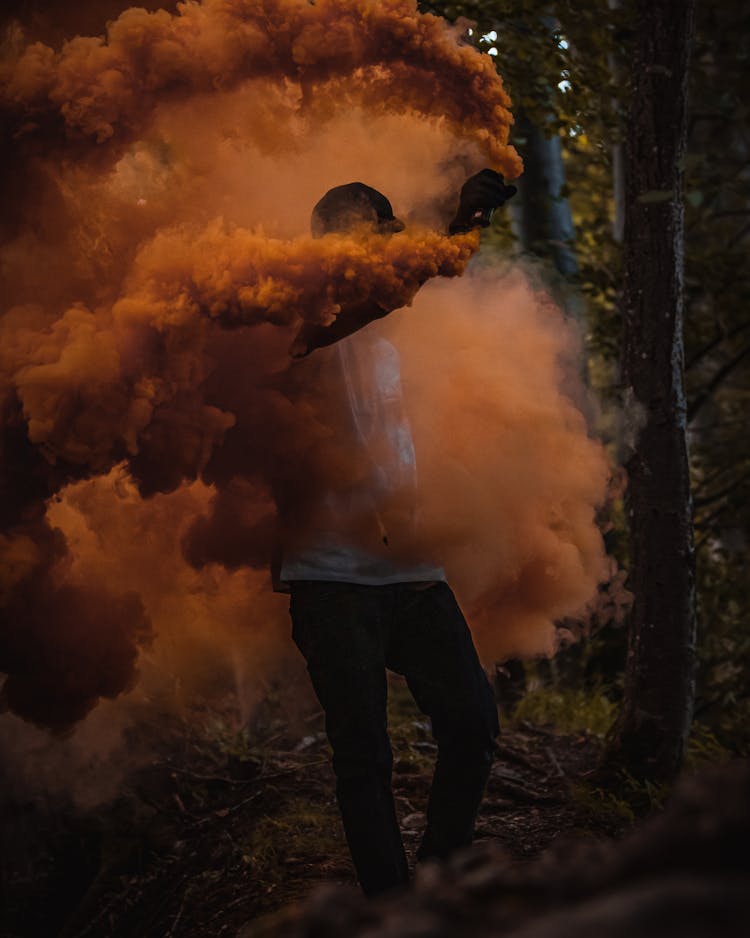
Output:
x=654 y=721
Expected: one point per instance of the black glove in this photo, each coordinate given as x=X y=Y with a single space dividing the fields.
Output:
x=481 y=194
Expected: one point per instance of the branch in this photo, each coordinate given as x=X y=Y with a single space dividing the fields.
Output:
x=723 y=424
x=738 y=237
x=717 y=340
x=707 y=116
x=714 y=383
x=710 y=479
x=705 y=527
x=711 y=702
x=728 y=178
x=729 y=214
x=722 y=493
x=733 y=279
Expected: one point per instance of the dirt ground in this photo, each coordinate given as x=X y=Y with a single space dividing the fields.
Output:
x=223 y=829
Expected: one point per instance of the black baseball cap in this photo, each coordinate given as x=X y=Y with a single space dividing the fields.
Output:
x=345 y=207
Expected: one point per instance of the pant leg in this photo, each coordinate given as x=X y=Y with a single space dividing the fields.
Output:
x=339 y=629
x=432 y=646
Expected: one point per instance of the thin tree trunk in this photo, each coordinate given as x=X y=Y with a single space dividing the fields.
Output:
x=650 y=734
x=545 y=220
x=543 y=217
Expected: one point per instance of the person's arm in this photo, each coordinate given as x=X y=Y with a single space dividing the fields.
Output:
x=480 y=195
x=312 y=336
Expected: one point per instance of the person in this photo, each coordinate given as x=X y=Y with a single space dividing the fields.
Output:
x=358 y=610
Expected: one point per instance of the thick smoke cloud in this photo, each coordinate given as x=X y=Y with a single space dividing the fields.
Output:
x=107 y=91
x=508 y=502
x=154 y=270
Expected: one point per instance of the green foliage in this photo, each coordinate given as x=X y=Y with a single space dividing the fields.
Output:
x=723 y=701
x=534 y=61
x=718 y=363
x=603 y=803
x=718 y=290
x=704 y=748
x=567 y=710
x=620 y=796
x=588 y=167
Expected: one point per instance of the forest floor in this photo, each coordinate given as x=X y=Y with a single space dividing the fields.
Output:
x=225 y=828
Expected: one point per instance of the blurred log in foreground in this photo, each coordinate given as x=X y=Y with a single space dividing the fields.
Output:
x=684 y=874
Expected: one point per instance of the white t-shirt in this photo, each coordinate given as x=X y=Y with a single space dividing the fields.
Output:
x=368 y=370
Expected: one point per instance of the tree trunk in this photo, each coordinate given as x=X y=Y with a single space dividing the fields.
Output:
x=617 y=67
x=545 y=221
x=655 y=718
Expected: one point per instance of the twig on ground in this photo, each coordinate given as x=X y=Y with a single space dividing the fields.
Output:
x=513 y=755
x=225 y=812
x=536 y=729
x=524 y=795
x=551 y=756
x=198 y=777
x=291 y=768
x=177 y=918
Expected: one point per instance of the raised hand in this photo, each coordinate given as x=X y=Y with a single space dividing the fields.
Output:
x=480 y=195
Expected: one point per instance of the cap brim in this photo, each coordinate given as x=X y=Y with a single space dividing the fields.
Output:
x=390 y=224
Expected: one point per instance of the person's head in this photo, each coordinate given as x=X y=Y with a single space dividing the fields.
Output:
x=354 y=205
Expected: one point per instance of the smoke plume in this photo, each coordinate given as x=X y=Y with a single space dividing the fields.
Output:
x=156 y=264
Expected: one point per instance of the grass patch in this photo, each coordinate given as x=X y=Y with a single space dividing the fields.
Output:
x=622 y=799
x=567 y=710
x=408 y=728
x=300 y=833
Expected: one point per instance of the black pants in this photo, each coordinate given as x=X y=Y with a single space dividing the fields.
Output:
x=349 y=634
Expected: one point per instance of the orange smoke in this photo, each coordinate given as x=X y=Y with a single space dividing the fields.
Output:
x=512 y=480
x=106 y=91
x=154 y=271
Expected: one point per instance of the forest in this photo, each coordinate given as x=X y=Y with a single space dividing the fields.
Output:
x=164 y=763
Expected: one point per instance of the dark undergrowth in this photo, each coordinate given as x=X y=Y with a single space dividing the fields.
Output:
x=224 y=828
